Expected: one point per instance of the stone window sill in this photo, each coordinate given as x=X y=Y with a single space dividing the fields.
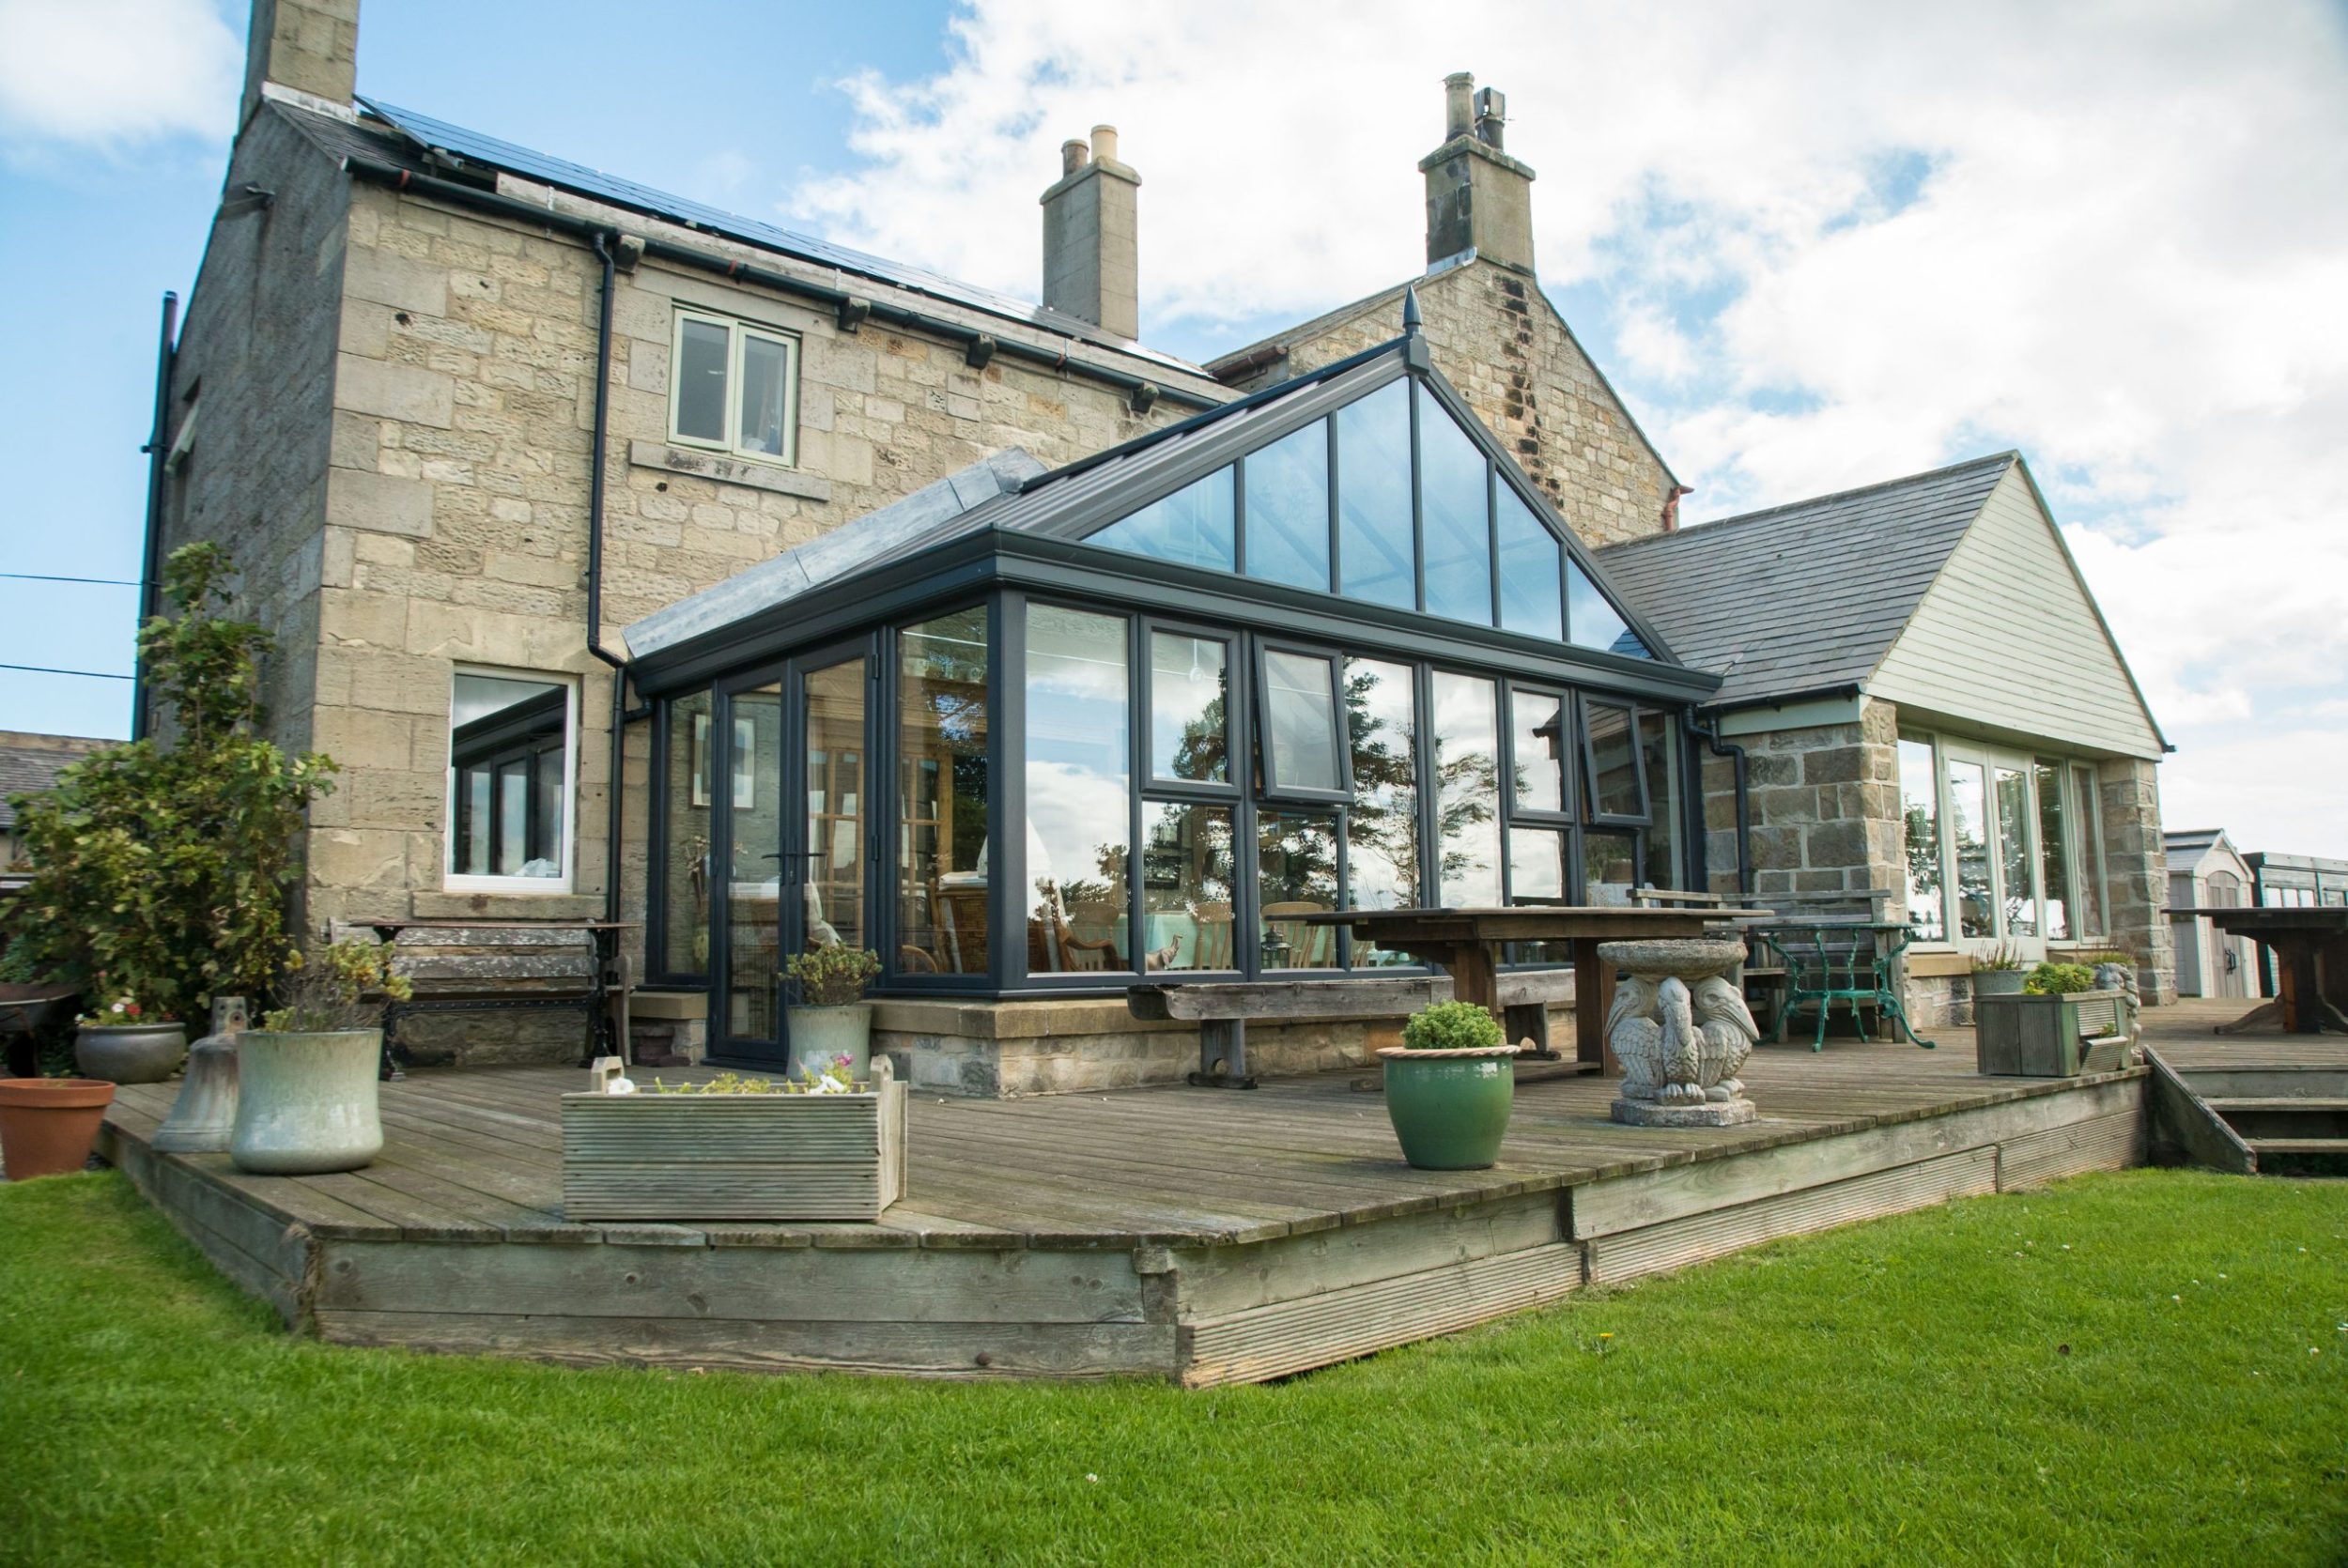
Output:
x=727 y=470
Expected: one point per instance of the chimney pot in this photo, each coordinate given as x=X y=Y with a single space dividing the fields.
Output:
x=1491 y=116
x=1074 y=156
x=1105 y=143
x=1459 y=89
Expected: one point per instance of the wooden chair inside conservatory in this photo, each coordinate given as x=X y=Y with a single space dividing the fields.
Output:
x=1214 y=937
x=1304 y=947
x=961 y=928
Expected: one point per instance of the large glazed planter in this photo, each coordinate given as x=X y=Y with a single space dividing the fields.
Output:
x=47 y=1124
x=820 y=1036
x=1999 y=982
x=129 y=1052
x=1450 y=1108
x=734 y=1157
x=307 y=1104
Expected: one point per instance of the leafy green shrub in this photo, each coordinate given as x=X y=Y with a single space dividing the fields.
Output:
x=2059 y=979
x=339 y=987
x=1452 y=1026
x=833 y=976
x=160 y=870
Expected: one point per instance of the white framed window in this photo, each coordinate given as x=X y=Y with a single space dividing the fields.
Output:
x=513 y=781
x=735 y=387
x=2002 y=847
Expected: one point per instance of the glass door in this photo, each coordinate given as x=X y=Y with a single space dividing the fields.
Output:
x=833 y=758
x=747 y=798
x=1993 y=828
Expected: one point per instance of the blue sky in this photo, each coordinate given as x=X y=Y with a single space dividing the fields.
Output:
x=1809 y=252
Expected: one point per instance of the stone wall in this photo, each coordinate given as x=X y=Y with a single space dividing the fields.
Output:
x=2136 y=874
x=1824 y=801
x=1496 y=338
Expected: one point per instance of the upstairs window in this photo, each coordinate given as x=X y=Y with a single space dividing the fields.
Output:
x=735 y=387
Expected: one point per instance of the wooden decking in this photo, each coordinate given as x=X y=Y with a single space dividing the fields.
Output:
x=1205 y=1236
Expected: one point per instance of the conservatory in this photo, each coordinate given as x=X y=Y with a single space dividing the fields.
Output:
x=1028 y=733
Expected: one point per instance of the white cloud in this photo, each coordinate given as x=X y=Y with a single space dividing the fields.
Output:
x=113 y=73
x=1836 y=243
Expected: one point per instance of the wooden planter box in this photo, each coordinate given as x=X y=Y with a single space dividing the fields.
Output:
x=2042 y=1036
x=734 y=1157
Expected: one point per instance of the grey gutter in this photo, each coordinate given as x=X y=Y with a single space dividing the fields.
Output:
x=851 y=307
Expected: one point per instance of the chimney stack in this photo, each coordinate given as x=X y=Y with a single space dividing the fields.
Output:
x=1479 y=198
x=307 y=50
x=1091 y=261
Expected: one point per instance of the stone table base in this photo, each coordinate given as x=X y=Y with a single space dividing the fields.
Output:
x=1710 y=1113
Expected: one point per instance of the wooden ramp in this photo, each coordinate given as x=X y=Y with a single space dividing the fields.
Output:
x=1198 y=1235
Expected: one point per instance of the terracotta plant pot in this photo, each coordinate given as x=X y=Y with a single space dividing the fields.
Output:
x=1450 y=1108
x=130 y=1053
x=47 y=1125
x=307 y=1104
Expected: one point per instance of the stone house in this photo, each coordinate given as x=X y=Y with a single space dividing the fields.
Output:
x=472 y=419
x=29 y=765
x=1920 y=698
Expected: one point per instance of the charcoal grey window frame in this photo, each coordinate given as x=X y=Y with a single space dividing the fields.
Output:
x=1332 y=659
x=1570 y=785
x=1584 y=701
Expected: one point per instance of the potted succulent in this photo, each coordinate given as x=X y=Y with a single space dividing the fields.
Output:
x=306 y=1078
x=128 y=1041
x=1449 y=1087
x=1997 y=972
x=831 y=1018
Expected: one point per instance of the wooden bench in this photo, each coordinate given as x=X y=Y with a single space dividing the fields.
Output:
x=499 y=965
x=1222 y=1011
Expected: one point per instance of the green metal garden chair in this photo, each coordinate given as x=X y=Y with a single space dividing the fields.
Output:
x=1850 y=961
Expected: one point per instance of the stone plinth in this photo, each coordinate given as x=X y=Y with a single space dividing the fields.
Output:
x=1681 y=1029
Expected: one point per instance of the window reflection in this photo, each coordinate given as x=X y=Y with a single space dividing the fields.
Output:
x=1539 y=748
x=1189 y=708
x=1296 y=852
x=1610 y=865
x=1455 y=493
x=1186 y=887
x=1614 y=761
x=1080 y=791
x=1299 y=721
x=1382 y=826
x=509 y=747
x=1968 y=827
x=1194 y=526
x=942 y=790
x=2053 y=851
x=834 y=743
x=1288 y=509
x=1591 y=621
x=1920 y=813
x=1376 y=558
x=2021 y=905
x=1530 y=598
x=686 y=861
x=1658 y=751
x=1467 y=790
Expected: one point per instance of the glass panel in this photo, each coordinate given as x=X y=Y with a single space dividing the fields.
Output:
x=1288 y=509
x=1190 y=689
x=1382 y=827
x=1614 y=782
x=1186 y=886
x=1299 y=721
x=834 y=893
x=1538 y=742
x=1529 y=599
x=1659 y=750
x=2054 y=852
x=2021 y=905
x=1193 y=526
x=1611 y=867
x=1920 y=811
x=1591 y=621
x=942 y=795
x=1455 y=506
x=1537 y=868
x=766 y=394
x=752 y=787
x=1376 y=558
x=685 y=865
x=2091 y=875
x=1969 y=826
x=1467 y=790
x=1080 y=791
x=1296 y=858
x=700 y=381
x=509 y=748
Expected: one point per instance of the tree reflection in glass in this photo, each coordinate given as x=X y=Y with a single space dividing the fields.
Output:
x=1296 y=855
x=1186 y=886
x=1189 y=690
x=1920 y=814
x=1382 y=826
x=1079 y=789
x=1968 y=825
x=1467 y=790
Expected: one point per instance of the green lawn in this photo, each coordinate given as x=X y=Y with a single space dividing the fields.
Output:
x=2142 y=1367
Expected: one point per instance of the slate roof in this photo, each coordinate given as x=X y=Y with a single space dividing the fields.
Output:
x=1805 y=598
x=404 y=139
x=26 y=769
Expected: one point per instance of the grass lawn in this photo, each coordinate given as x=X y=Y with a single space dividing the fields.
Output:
x=2151 y=1366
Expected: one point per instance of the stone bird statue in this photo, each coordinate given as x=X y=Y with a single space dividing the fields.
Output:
x=1660 y=1053
x=1728 y=1035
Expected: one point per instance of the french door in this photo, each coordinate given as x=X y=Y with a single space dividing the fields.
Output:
x=793 y=835
x=2006 y=825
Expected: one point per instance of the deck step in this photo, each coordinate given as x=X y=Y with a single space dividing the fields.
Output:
x=2300 y=1156
x=2285 y=1103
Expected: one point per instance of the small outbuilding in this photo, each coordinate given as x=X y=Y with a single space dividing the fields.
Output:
x=2206 y=871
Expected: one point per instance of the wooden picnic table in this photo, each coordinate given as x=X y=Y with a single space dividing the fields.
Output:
x=2310 y=948
x=1466 y=944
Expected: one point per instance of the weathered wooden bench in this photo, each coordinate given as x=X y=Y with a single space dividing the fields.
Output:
x=1223 y=1010
x=500 y=965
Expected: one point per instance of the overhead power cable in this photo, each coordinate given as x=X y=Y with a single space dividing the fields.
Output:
x=103 y=582
x=45 y=670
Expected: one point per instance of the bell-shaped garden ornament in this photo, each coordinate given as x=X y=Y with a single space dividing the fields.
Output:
x=206 y=1112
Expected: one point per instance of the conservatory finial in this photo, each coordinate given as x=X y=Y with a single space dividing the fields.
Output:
x=1410 y=320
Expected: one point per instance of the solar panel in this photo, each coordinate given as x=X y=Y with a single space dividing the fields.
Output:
x=475 y=148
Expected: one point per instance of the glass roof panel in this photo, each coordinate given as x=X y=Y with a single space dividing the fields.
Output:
x=1194 y=526
x=1531 y=594
x=1288 y=509
x=1376 y=554
x=1455 y=491
x=1592 y=622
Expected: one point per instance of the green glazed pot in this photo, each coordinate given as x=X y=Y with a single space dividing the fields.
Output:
x=1450 y=1108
